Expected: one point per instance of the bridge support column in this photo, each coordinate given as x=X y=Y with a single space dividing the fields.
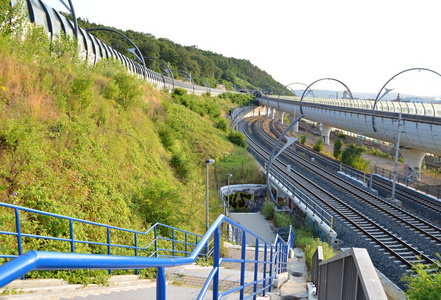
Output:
x=273 y=113
x=412 y=163
x=282 y=114
x=325 y=131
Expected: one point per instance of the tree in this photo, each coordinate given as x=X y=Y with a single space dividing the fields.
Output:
x=337 y=148
x=319 y=146
x=351 y=156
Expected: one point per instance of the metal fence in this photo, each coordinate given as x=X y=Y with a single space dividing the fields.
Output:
x=166 y=247
x=415 y=184
x=348 y=275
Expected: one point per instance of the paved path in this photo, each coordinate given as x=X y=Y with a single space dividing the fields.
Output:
x=257 y=224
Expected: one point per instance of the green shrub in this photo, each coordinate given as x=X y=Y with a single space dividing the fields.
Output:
x=282 y=220
x=125 y=90
x=427 y=283
x=351 y=156
x=341 y=135
x=268 y=209
x=337 y=148
x=222 y=124
x=303 y=139
x=80 y=93
x=328 y=252
x=319 y=146
x=238 y=138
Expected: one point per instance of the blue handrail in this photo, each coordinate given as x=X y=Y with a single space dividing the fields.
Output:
x=274 y=259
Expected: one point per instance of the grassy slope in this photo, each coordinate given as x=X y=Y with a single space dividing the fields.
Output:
x=67 y=149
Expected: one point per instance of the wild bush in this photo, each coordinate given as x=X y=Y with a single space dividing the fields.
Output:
x=319 y=146
x=282 y=220
x=222 y=124
x=337 y=148
x=238 y=138
x=303 y=139
x=351 y=156
x=424 y=282
x=268 y=209
x=328 y=252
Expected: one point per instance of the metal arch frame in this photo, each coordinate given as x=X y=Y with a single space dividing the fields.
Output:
x=190 y=78
x=166 y=65
x=137 y=49
x=289 y=127
x=206 y=82
x=378 y=98
x=255 y=93
x=286 y=86
x=71 y=9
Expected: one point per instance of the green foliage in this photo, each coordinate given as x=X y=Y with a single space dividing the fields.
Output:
x=427 y=282
x=328 y=252
x=238 y=138
x=351 y=156
x=303 y=139
x=222 y=124
x=377 y=152
x=341 y=135
x=282 y=220
x=268 y=209
x=337 y=148
x=80 y=93
x=125 y=90
x=319 y=146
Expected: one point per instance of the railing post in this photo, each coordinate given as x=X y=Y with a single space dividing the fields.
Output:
x=18 y=228
x=276 y=258
x=173 y=241
x=108 y=245
x=216 y=255
x=136 y=249
x=72 y=244
x=265 y=260
x=156 y=243
x=242 y=264
x=256 y=268
x=271 y=269
x=161 y=284
x=186 y=245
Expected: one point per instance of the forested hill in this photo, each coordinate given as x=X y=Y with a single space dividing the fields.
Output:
x=215 y=68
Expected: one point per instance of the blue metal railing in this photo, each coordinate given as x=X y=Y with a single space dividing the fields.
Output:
x=179 y=248
x=159 y=241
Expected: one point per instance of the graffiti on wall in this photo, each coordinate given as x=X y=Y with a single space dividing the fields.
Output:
x=411 y=173
x=247 y=200
x=240 y=200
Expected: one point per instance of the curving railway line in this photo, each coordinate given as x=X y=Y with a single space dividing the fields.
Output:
x=415 y=201
x=362 y=219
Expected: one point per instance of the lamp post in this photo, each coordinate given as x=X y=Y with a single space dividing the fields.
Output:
x=228 y=203
x=208 y=162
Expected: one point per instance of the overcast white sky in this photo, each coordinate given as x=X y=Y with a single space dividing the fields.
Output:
x=361 y=43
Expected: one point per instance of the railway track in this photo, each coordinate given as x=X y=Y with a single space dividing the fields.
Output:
x=390 y=243
x=426 y=206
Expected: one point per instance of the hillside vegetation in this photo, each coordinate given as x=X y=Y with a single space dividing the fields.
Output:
x=96 y=143
x=201 y=64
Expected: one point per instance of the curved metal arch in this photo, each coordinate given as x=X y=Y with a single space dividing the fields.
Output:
x=289 y=127
x=286 y=86
x=206 y=82
x=166 y=65
x=71 y=9
x=378 y=98
x=257 y=93
x=137 y=49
